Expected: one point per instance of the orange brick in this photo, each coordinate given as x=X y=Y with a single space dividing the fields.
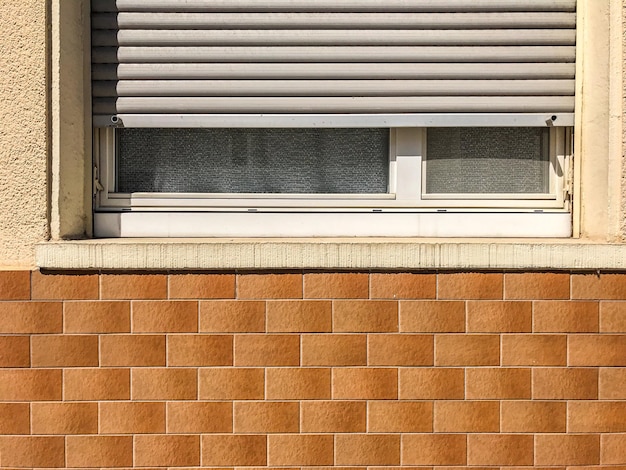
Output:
x=64 y=418
x=64 y=351
x=202 y=286
x=269 y=286
x=96 y=384
x=613 y=317
x=597 y=350
x=400 y=350
x=298 y=384
x=26 y=451
x=64 y=286
x=467 y=416
x=499 y=449
x=434 y=449
x=535 y=286
x=30 y=385
x=436 y=316
x=232 y=316
x=300 y=449
x=232 y=384
x=132 y=417
x=565 y=383
x=392 y=416
x=200 y=350
x=465 y=286
x=299 y=316
x=336 y=286
x=99 y=451
x=498 y=383
x=174 y=316
x=333 y=416
x=167 y=451
x=596 y=416
x=566 y=317
x=613 y=449
x=222 y=450
x=97 y=317
x=334 y=350
x=267 y=417
x=367 y=316
x=199 y=417
x=31 y=317
x=14 y=351
x=14 y=285
x=132 y=350
x=432 y=384
x=133 y=286
x=612 y=383
x=499 y=317
x=164 y=384
x=567 y=449
x=533 y=416
x=534 y=350
x=365 y=384
x=14 y=418
x=367 y=449
x=267 y=350
x=403 y=286
x=467 y=350
x=603 y=286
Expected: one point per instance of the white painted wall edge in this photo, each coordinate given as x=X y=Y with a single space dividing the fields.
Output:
x=349 y=254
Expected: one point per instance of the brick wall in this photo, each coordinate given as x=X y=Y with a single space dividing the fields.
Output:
x=298 y=370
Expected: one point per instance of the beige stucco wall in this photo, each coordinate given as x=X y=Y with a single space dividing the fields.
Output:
x=45 y=130
x=23 y=129
x=623 y=101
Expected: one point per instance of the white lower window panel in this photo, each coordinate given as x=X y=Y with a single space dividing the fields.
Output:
x=332 y=224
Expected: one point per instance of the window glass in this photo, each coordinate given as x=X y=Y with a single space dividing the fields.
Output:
x=297 y=161
x=487 y=160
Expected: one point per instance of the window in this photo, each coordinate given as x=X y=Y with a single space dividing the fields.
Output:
x=333 y=118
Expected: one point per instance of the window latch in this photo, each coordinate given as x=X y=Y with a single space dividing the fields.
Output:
x=97 y=186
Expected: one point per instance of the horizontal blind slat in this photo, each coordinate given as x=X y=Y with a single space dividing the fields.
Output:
x=185 y=88
x=515 y=20
x=332 y=5
x=227 y=37
x=336 y=54
x=389 y=71
x=512 y=104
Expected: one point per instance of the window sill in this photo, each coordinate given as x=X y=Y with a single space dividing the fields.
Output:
x=331 y=253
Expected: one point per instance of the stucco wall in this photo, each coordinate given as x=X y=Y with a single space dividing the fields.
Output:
x=24 y=130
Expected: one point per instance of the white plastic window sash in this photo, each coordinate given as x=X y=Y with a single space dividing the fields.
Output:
x=407 y=151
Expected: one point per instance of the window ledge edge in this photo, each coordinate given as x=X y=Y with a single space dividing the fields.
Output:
x=342 y=254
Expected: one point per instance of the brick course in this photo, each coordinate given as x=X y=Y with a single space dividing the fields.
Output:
x=299 y=370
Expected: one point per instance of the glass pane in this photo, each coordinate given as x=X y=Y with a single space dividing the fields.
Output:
x=488 y=160
x=293 y=161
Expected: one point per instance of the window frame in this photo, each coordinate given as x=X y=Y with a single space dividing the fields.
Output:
x=407 y=159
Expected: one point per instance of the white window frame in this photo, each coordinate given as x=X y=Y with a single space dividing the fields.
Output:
x=404 y=211
x=407 y=156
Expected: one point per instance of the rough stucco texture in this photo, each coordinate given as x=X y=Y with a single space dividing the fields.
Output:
x=23 y=132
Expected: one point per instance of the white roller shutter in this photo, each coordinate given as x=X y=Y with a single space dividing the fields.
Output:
x=188 y=62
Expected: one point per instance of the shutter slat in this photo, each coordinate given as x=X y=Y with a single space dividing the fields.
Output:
x=129 y=88
x=335 y=54
x=143 y=37
x=331 y=5
x=301 y=71
x=515 y=20
x=404 y=104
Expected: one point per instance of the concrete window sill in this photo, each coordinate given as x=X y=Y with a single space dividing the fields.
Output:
x=348 y=254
